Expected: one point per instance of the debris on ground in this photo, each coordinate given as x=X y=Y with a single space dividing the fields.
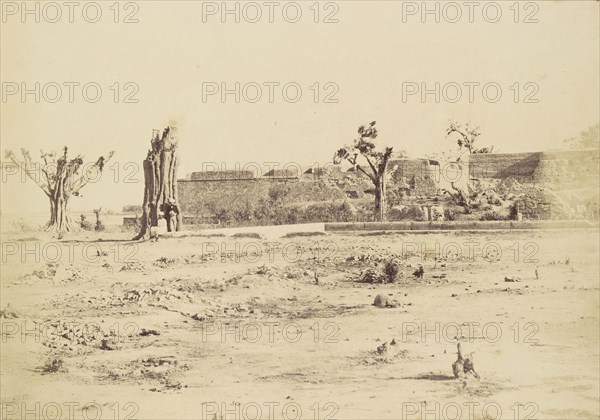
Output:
x=159 y=361
x=47 y=273
x=110 y=344
x=133 y=266
x=53 y=365
x=67 y=335
x=8 y=313
x=383 y=354
x=164 y=262
x=158 y=372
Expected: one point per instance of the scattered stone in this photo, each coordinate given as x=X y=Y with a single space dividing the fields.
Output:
x=144 y=332
x=512 y=279
x=160 y=361
x=198 y=317
x=383 y=301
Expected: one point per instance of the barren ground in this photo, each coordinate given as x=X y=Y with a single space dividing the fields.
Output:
x=165 y=330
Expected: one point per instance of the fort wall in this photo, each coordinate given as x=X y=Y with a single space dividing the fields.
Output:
x=204 y=193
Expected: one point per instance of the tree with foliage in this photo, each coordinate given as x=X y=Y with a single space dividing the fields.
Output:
x=364 y=145
x=466 y=138
x=61 y=178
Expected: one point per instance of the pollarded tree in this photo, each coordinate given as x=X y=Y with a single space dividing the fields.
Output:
x=60 y=178
x=364 y=145
x=160 y=183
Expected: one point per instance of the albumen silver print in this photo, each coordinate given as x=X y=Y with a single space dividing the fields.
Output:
x=310 y=209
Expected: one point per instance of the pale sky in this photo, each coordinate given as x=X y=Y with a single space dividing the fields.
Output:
x=368 y=55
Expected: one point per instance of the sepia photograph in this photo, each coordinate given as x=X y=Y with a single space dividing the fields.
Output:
x=310 y=209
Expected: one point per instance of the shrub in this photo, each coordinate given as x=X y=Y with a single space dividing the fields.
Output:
x=388 y=274
x=391 y=269
x=53 y=365
x=437 y=213
x=370 y=276
x=278 y=193
x=99 y=225
x=84 y=224
x=224 y=216
x=493 y=198
x=23 y=227
x=320 y=212
x=132 y=208
x=449 y=215
x=493 y=215
x=406 y=213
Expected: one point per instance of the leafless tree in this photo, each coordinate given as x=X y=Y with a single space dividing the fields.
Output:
x=160 y=182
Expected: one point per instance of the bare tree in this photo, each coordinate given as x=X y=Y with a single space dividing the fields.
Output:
x=60 y=179
x=364 y=145
x=160 y=179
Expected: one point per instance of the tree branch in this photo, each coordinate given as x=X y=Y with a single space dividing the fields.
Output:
x=26 y=166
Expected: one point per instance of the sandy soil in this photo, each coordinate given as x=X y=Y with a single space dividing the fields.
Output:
x=282 y=328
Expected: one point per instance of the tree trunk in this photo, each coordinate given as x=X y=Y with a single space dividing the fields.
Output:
x=380 y=200
x=60 y=220
x=461 y=198
x=160 y=183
